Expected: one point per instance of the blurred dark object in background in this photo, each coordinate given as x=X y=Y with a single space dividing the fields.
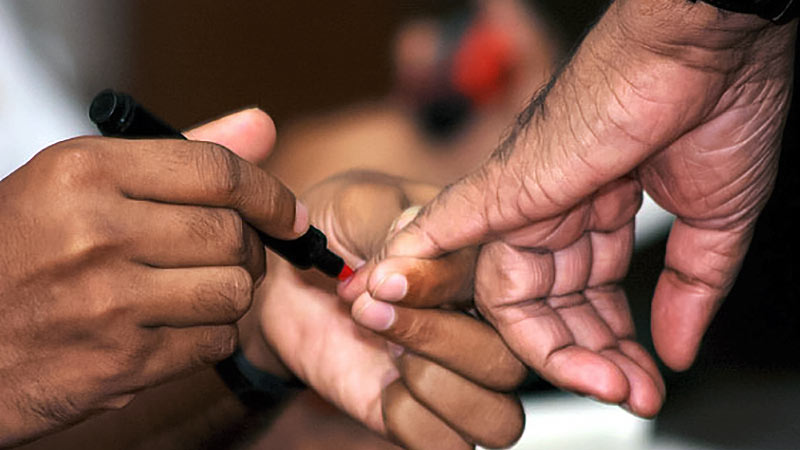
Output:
x=194 y=60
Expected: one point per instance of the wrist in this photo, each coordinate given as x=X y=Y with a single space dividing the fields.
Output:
x=254 y=373
x=776 y=11
x=697 y=35
x=256 y=350
x=680 y=16
x=255 y=389
x=670 y=27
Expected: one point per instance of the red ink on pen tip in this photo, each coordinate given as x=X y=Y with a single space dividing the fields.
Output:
x=346 y=273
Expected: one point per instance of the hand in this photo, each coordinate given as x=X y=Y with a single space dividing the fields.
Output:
x=674 y=97
x=453 y=363
x=125 y=263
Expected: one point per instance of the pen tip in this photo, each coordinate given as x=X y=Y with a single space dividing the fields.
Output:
x=346 y=273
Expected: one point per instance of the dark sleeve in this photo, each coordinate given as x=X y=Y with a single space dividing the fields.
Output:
x=778 y=11
x=254 y=388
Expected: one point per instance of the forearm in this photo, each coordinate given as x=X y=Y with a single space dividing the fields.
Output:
x=254 y=346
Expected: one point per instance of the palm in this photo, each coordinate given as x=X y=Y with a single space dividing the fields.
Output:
x=563 y=312
x=321 y=344
x=304 y=320
x=721 y=172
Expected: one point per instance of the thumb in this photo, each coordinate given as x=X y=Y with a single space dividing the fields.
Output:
x=457 y=218
x=249 y=133
x=479 y=207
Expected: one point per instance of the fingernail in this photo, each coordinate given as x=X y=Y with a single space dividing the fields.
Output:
x=396 y=351
x=377 y=316
x=405 y=217
x=391 y=288
x=300 y=218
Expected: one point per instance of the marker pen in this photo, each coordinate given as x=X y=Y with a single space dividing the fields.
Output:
x=119 y=115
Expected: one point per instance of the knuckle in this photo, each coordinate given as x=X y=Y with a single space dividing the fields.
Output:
x=74 y=163
x=224 y=227
x=88 y=239
x=231 y=230
x=278 y=202
x=419 y=374
x=223 y=168
x=235 y=230
x=217 y=343
x=253 y=255
x=238 y=290
x=104 y=300
x=413 y=333
x=227 y=298
x=127 y=358
x=133 y=355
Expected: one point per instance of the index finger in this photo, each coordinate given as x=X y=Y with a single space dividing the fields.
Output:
x=208 y=174
x=469 y=347
x=425 y=283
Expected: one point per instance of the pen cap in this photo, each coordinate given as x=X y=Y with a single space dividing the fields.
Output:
x=119 y=115
x=329 y=263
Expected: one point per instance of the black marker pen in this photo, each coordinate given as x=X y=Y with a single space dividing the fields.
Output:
x=119 y=115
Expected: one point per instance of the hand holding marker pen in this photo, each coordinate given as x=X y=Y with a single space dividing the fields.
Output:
x=119 y=115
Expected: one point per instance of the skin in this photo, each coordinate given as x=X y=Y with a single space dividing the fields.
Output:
x=110 y=281
x=173 y=415
x=455 y=369
x=250 y=135
x=668 y=96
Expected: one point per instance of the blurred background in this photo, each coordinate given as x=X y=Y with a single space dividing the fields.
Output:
x=419 y=88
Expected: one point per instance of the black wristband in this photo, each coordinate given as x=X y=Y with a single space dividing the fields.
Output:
x=254 y=388
x=778 y=11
